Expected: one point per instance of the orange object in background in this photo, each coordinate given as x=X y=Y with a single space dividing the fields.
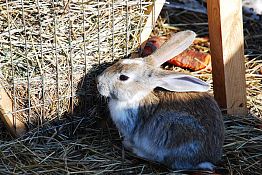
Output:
x=153 y=44
x=189 y=59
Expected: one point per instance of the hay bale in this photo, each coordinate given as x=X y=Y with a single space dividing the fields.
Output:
x=47 y=47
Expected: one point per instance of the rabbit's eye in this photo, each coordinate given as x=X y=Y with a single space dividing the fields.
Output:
x=123 y=77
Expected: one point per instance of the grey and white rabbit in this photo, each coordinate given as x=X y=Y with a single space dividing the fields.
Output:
x=164 y=116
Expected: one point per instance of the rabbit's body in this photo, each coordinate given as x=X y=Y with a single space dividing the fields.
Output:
x=164 y=116
x=150 y=128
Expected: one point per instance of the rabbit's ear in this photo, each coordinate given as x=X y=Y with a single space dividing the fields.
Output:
x=182 y=83
x=174 y=46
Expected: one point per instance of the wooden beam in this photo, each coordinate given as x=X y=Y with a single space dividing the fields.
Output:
x=227 y=51
x=154 y=11
x=151 y=20
x=16 y=127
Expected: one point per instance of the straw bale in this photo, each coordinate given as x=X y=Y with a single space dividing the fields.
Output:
x=47 y=47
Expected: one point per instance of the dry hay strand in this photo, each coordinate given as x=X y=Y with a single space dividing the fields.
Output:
x=243 y=145
x=47 y=47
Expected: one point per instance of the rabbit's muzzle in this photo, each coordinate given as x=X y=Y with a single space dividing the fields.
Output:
x=102 y=88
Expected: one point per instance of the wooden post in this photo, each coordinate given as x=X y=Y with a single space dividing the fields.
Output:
x=152 y=18
x=154 y=10
x=16 y=127
x=227 y=51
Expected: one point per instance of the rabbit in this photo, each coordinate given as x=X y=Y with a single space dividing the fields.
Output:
x=164 y=116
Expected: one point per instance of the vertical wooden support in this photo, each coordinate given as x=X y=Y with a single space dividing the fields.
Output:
x=227 y=51
x=16 y=127
x=152 y=18
x=155 y=10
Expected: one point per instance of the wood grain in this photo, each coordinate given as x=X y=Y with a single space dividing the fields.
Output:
x=151 y=20
x=227 y=51
x=16 y=127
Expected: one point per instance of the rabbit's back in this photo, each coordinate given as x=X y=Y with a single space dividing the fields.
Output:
x=200 y=105
x=179 y=129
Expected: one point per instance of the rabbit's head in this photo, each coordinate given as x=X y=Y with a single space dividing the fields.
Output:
x=133 y=79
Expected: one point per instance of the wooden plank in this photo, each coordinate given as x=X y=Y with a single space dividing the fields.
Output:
x=154 y=12
x=150 y=23
x=227 y=51
x=16 y=127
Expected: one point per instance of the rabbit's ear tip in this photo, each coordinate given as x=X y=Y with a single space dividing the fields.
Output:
x=190 y=32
